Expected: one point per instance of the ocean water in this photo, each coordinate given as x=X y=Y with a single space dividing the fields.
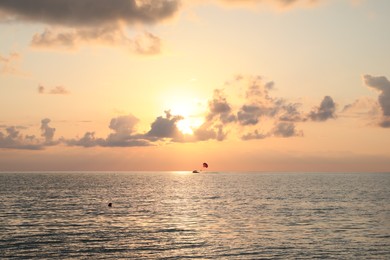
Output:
x=177 y=215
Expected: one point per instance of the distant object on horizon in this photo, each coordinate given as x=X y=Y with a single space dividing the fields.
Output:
x=110 y=204
x=205 y=165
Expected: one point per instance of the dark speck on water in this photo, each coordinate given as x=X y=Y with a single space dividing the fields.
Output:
x=172 y=215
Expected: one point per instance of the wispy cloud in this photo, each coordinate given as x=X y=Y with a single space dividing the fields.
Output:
x=8 y=63
x=70 y=38
x=58 y=90
x=365 y=108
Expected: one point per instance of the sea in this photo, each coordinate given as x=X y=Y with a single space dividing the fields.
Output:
x=185 y=215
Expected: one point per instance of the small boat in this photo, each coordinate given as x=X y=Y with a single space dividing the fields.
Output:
x=195 y=171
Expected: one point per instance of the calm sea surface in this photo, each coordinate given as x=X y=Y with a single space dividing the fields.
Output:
x=172 y=215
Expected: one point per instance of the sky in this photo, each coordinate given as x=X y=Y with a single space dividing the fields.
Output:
x=142 y=85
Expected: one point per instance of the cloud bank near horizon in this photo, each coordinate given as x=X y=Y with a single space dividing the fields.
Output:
x=245 y=118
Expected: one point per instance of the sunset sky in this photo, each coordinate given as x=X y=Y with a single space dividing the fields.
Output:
x=251 y=85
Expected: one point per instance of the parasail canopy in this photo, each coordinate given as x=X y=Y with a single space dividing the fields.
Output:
x=205 y=165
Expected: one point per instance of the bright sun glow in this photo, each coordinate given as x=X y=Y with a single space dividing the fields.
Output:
x=191 y=110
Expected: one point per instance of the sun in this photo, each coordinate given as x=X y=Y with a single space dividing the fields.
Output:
x=191 y=111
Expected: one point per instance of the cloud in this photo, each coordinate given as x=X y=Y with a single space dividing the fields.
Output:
x=88 y=140
x=58 y=90
x=165 y=127
x=256 y=105
x=249 y=115
x=365 y=108
x=290 y=112
x=83 y=22
x=112 y=35
x=123 y=135
x=93 y=13
x=260 y=103
x=286 y=129
x=209 y=131
x=223 y=117
x=254 y=135
x=220 y=113
x=219 y=108
x=7 y=63
x=47 y=131
x=281 y=4
x=325 y=111
x=381 y=84
x=146 y=44
x=13 y=139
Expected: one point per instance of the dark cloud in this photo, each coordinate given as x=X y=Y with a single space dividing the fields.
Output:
x=89 y=12
x=220 y=109
x=13 y=139
x=290 y=112
x=381 y=84
x=285 y=129
x=325 y=111
x=82 y=22
x=165 y=127
x=249 y=114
